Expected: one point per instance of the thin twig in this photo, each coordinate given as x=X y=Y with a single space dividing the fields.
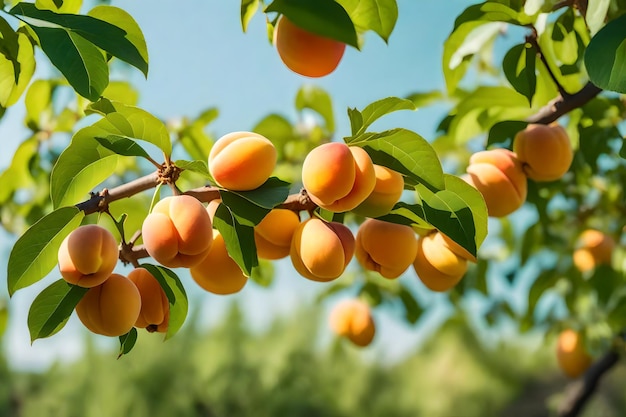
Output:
x=562 y=105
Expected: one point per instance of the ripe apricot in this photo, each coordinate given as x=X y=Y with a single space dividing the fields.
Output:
x=242 y=161
x=87 y=256
x=155 y=307
x=384 y=247
x=595 y=248
x=320 y=251
x=304 y=52
x=178 y=232
x=387 y=191
x=545 y=151
x=499 y=177
x=338 y=177
x=273 y=234
x=218 y=273
x=571 y=355
x=353 y=319
x=436 y=264
x=111 y=308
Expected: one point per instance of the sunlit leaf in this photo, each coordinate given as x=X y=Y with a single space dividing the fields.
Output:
x=239 y=239
x=122 y=146
x=377 y=15
x=248 y=9
x=199 y=167
x=316 y=99
x=378 y=109
x=17 y=64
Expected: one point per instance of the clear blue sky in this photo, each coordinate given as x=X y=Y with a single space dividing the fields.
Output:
x=200 y=58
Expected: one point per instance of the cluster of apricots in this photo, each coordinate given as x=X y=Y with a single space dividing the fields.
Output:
x=571 y=354
x=594 y=248
x=540 y=152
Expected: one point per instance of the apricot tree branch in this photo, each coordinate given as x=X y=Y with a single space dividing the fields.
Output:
x=564 y=104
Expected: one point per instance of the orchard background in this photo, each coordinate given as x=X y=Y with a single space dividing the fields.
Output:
x=476 y=74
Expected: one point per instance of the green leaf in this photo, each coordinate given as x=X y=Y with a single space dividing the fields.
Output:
x=377 y=109
x=4 y=318
x=17 y=64
x=476 y=203
x=18 y=174
x=413 y=311
x=60 y=6
x=80 y=167
x=544 y=281
x=596 y=13
x=377 y=15
x=502 y=133
x=263 y=274
x=423 y=99
x=122 y=146
x=34 y=254
x=318 y=100
x=323 y=17
x=406 y=152
x=239 y=239
x=278 y=130
x=52 y=308
x=245 y=211
x=127 y=342
x=356 y=120
x=176 y=295
x=519 y=69
x=491 y=11
x=605 y=57
x=199 y=167
x=270 y=194
x=565 y=42
x=248 y=9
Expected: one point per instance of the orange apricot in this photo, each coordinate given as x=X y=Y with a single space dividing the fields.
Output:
x=305 y=52
x=320 y=251
x=87 y=256
x=436 y=264
x=571 y=354
x=384 y=247
x=273 y=234
x=595 y=248
x=338 y=177
x=387 y=192
x=178 y=232
x=353 y=319
x=155 y=307
x=218 y=273
x=111 y=308
x=242 y=161
x=545 y=151
x=499 y=177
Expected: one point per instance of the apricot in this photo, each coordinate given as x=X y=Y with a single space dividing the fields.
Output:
x=87 y=256
x=178 y=232
x=387 y=192
x=571 y=354
x=595 y=248
x=384 y=247
x=353 y=319
x=320 y=251
x=338 y=177
x=499 y=177
x=218 y=273
x=436 y=264
x=242 y=161
x=273 y=234
x=155 y=307
x=111 y=308
x=304 y=52
x=545 y=151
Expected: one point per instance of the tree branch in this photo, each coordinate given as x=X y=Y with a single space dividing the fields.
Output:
x=578 y=392
x=562 y=105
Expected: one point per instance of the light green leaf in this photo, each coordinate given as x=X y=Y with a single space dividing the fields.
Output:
x=60 y=6
x=605 y=57
x=38 y=103
x=239 y=239
x=35 y=253
x=596 y=13
x=176 y=295
x=18 y=175
x=199 y=167
x=377 y=109
x=406 y=152
x=17 y=64
x=377 y=15
x=412 y=310
x=263 y=274
x=318 y=100
x=278 y=130
x=426 y=98
x=323 y=17
x=4 y=317
x=248 y=9
x=127 y=342
x=52 y=308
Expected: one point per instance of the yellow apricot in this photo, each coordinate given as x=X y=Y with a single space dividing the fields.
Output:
x=178 y=232
x=320 y=251
x=545 y=151
x=338 y=177
x=242 y=161
x=87 y=256
x=353 y=319
x=111 y=308
x=499 y=177
x=384 y=247
x=571 y=355
x=595 y=248
x=437 y=266
x=273 y=234
x=218 y=273
x=155 y=307
x=387 y=191
x=304 y=52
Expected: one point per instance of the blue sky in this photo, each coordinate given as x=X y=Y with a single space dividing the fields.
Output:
x=200 y=58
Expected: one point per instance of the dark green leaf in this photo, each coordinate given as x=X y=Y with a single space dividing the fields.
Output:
x=356 y=120
x=270 y=194
x=52 y=308
x=502 y=133
x=323 y=17
x=519 y=69
x=239 y=239
x=127 y=342
x=34 y=254
x=122 y=146
x=605 y=57
x=245 y=211
x=544 y=281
